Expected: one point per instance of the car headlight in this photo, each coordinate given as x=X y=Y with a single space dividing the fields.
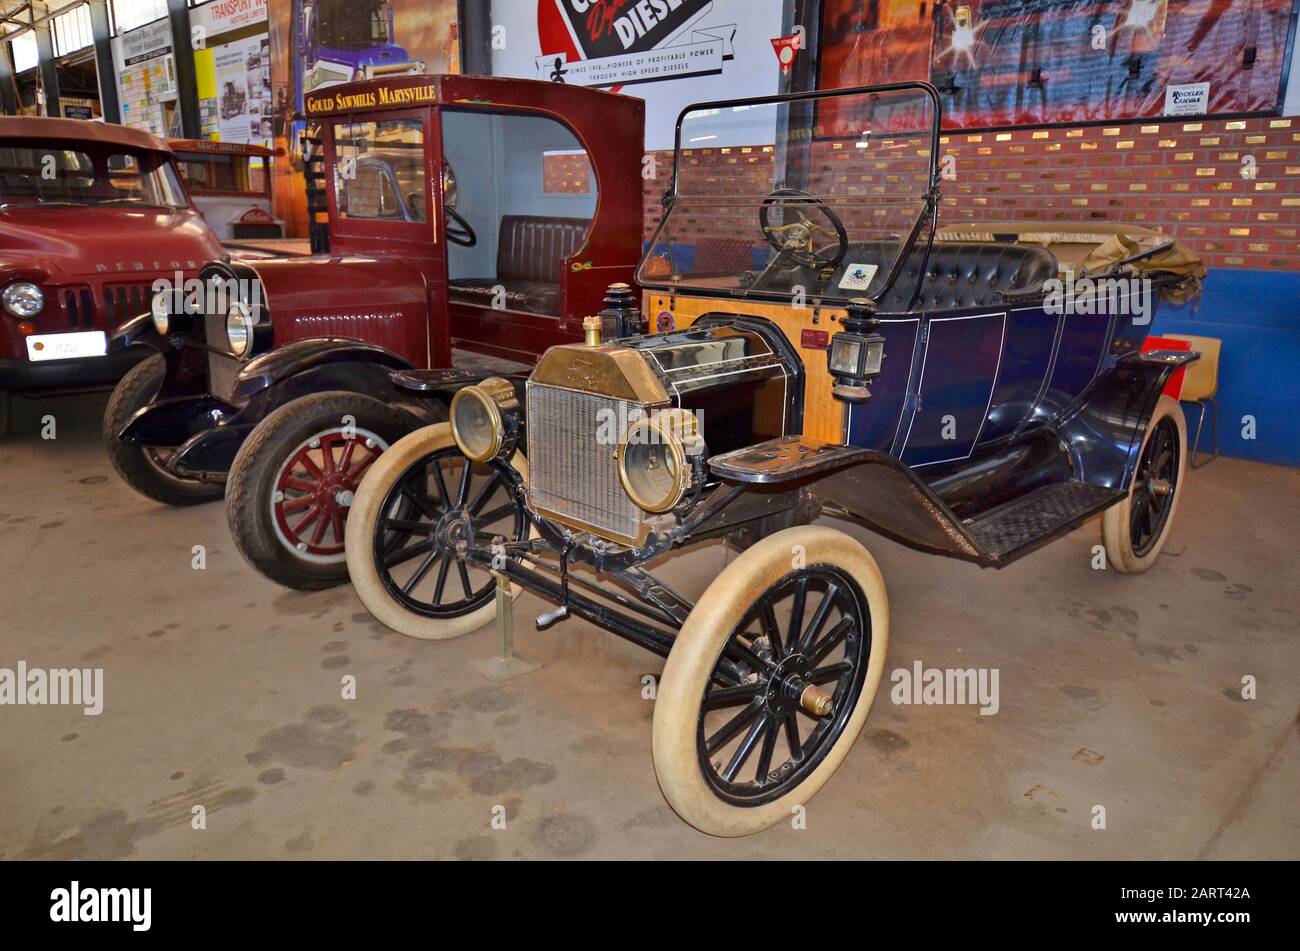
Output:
x=161 y=312
x=485 y=419
x=23 y=299
x=239 y=329
x=654 y=459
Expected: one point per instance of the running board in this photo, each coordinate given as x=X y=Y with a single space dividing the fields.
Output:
x=890 y=498
x=1011 y=530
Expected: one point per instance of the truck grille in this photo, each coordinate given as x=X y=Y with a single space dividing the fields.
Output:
x=79 y=305
x=123 y=302
x=571 y=473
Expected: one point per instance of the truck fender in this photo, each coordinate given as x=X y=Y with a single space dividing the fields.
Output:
x=275 y=367
x=137 y=330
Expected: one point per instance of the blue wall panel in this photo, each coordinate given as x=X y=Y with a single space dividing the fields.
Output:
x=1257 y=316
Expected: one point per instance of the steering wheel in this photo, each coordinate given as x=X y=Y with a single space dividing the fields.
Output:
x=458 y=229
x=794 y=242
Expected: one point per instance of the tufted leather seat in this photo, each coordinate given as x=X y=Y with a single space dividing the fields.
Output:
x=966 y=274
x=531 y=250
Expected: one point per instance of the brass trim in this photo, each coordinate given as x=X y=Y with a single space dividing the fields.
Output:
x=610 y=370
x=673 y=428
x=494 y=393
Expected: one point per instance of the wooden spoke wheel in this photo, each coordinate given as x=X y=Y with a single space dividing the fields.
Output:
x=770 y=680
x=414 y=515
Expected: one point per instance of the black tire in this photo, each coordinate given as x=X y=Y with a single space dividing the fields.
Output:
x=6 y=412
x=142 y=467
x=260 y=521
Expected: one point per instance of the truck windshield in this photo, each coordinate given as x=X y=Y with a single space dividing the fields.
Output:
x=379 y=170
x=56 y=175
x=811 y=197
x=349 y=25
x=222 y=174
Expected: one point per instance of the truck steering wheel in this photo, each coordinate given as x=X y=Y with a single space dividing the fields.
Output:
x=458 y=229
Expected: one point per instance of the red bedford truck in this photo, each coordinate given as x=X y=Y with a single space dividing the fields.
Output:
x=90 y=216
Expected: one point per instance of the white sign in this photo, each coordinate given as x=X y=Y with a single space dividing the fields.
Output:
x=694 y=59
x=671 y=53
x=1192 y=99
x=148 y=42
x=222 y=16
x=857 y=277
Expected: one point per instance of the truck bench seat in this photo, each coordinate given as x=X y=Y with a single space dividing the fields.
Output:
x=531 y=255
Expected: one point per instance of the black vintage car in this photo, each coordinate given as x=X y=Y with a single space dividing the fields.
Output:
x=973 y=398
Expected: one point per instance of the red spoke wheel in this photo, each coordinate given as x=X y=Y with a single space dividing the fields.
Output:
x=294 y=481
x=314 y=489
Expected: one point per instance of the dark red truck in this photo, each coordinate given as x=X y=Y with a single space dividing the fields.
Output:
x=90 y=216
x=473 y=222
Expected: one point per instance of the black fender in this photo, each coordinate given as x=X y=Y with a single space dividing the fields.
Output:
x=209 y=455
x=1093 y=445
x=872 y=485
x=137 y=330
x=277 y=366
x=171 y=422
x=1104 y=429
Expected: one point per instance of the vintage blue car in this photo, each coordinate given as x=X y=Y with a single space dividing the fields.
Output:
x=816 y=349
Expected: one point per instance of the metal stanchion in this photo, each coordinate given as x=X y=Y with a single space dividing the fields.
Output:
x=505 y=665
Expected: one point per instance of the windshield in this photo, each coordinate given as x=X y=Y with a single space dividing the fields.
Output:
x=222 y=174
x=56 y=175
x=815 y=196
x=379 y=170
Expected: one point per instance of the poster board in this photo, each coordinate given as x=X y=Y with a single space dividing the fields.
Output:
x=1003 y=63
x=146 y=78
x=232 y=65
x=670 y=54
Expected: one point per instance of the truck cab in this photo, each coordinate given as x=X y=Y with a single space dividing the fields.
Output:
x=471 y=221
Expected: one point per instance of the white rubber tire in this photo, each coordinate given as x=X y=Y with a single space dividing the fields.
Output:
x=696 y=650
x=360 y=534
x=1115 y=534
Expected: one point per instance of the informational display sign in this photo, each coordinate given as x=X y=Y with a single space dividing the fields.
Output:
x=233 y=69
x=1019 y=62
x=669 y=52
x=146 y=78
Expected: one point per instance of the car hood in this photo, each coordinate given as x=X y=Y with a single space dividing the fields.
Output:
x=67 y=244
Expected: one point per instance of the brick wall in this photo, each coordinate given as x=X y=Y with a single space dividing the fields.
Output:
x=1230 y=189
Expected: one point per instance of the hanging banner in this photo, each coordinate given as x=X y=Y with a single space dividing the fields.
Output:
x=1026 y=62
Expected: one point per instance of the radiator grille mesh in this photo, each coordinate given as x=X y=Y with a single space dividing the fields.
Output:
x=571 y=472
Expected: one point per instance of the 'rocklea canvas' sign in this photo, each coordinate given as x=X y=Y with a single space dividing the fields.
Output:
x=622 y=42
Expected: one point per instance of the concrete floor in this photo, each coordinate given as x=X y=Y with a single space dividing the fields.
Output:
x=224 y=690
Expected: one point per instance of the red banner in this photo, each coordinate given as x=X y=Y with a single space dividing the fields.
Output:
x=1025 y=62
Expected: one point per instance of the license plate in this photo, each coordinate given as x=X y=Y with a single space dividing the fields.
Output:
x=89 y=343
